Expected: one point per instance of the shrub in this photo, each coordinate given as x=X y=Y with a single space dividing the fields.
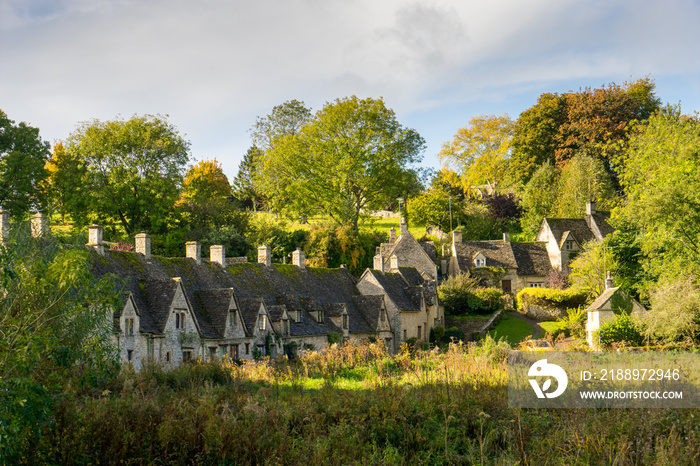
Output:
x=550 y=297
x=334 y=337
x=621 y=329
x=485 y=300
x=453 y=292
x=453 y=332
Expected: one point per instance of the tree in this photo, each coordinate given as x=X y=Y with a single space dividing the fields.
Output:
x=589 y=268
x=23 y=155
x=538 y=199
x=591 y=121
x=675 y=310
x=133 y=171
x=352 y=156
x=286 y=119
x=583 y=178
x=243 y=187
x=481 y=150
x=661 y=180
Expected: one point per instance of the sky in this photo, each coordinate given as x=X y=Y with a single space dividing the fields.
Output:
x=213 y=66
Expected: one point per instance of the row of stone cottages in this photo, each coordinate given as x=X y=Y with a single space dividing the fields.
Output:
x=175 y=309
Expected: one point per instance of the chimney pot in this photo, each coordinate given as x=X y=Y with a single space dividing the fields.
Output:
x=404 y=226
x=590 y=207
x=456 y=236
x=608 y=281
x=379 y=263
x=392 y=235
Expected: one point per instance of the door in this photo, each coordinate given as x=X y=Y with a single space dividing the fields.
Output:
x=505 y=284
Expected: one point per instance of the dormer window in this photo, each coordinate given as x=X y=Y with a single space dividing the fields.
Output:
x=262 y=325
x=298 y=317
x=479 y=262
x=232 y=318
x=319 y=316
x=569 y=244
x=129 y=326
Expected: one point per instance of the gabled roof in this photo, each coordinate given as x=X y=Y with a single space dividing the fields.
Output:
x=579 y=229
x=397 y=290
x=211 y=308
x=249 y=308
x=367 y=319
x=154 y=303
x=498 y=253
x=532 y=259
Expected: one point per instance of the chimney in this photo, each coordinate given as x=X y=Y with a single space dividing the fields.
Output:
x=608 y=281
x=299 y=258
x=404 y=226
x=193 y=250
x=143 y=244
x=506 y=237
x=4 y=225
x=456 y=237
x=217 y=254
x=95 y=239
x=394 y=262
x=392 y=235
x=40 y=225
x=379 y=263
x=265 y=255
x=443 y=266
x=590 y=207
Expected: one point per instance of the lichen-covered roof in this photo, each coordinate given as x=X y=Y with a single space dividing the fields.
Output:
x=249 y=309
x=367 y=319
x=211 y=308
x=532 y=259
x=396 y=288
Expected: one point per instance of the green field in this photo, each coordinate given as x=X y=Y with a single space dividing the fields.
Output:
x=512 y=330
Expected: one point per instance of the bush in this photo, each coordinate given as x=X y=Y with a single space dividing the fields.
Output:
x=621 y=329
x=551 y=298
x=485 y=300
x=453 y=332
x=453 y=293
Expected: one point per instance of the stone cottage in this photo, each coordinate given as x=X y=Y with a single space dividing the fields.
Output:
x=406 y=251
x=565 y=237
x=513 y=265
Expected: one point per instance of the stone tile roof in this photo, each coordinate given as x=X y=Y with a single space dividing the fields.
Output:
x=249 y=309
x=497 y=253
x=574 y=226
x=532 y=259
x=211 y=308
x=367 y=319
x=397 y=290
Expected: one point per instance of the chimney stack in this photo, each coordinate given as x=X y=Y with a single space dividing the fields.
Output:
x=95 y=239
x=394 y=263
x=299 y=258
x=404 y=226
x=217 y=254
x=143 y=244
x=392 y=235
x=193 y=250
x=506 y=237
x=379 y=262
x=4 y=225
x=456 y=236
x=608 y=281
x=265 y=255
x=40 y=225
x=590 y=207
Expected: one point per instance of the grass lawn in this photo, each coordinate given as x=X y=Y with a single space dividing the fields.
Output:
x=511 y=329
x=550 y=327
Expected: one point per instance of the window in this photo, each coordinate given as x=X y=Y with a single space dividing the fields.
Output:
x=234 y=352
x=405 y=337
x=186 y=356
x=261 y=350
x=480 y=262
x=167 y=356
x=247 y=348
x=319 y=316
x=130 y=355
x=345 y=321
x=285 y=324
x=382 y=316
x=261 y=325
x=232 y=318
x=419 y=332
x=179 y=320
x=212 y=352
x=129 y=327
x=536 y=284
x=298 y=316
x=569 y=244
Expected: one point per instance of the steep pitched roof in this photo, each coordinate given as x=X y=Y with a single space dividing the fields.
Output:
x=532 y=259
x=498 y=253
x=397 y=290
x=367 y=319
x=578 y=227
x=211 y=307
x=249 y=308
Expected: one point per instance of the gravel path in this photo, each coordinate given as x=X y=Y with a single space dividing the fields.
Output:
x=536 y=329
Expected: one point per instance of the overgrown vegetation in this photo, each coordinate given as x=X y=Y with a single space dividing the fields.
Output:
x=551 y=297
x=461 y=295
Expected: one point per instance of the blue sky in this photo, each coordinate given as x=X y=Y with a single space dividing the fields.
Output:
x=214 y=65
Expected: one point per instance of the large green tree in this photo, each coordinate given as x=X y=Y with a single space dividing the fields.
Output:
x=23 y=155
x=244 y=186
x=132 y=172
x=661 y=180
x=591 y=121
x=286 y=119
x=352 y=156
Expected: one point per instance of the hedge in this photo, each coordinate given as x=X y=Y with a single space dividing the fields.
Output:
x=551 y=297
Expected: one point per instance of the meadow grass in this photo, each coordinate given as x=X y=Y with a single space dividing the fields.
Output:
x=511 y=329
x=350 y=404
